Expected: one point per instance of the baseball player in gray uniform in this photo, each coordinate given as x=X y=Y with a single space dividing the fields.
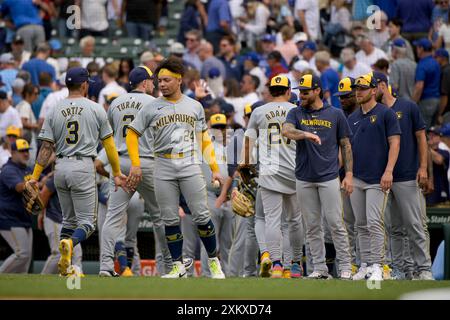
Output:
x=121 y=113
x=75 y=127
x=376 y=135
x=276 y=175
x=320 y=130
x=222 y=217
x=176 y=121
x=410 y=176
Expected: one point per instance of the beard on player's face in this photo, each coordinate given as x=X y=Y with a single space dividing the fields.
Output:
x=363 y=96
x=308 y=101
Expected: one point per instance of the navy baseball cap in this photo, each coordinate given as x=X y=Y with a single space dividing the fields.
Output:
x=379 y=77
x=441 y=52
x=445 y=130
x=20 y=145
x=424 y=43
x=309 y=82
x=268 y=38
x=311 y=45
x=399 y=43
x=139 y=74
x=77 y=75
x=214 y=73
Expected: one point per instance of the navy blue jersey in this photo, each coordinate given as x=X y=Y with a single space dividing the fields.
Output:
x=12 y=211
x=53 y=211
x=318 y=163
x=370 y=141
x=441 y=183
x=411 y=121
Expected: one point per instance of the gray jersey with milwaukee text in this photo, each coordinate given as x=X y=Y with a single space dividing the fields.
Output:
x=276 y=153
x=122 y=112
x=75 y=126
x=173 y=125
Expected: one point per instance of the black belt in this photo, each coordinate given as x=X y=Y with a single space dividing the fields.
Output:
x=76 y=157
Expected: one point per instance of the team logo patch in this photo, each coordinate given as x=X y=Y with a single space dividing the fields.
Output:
x=341 y=86
x=373 y=119
x=302 y=80
x=278 y=79
x=399 y=115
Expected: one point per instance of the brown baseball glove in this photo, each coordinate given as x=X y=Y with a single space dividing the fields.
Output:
x=32 y=200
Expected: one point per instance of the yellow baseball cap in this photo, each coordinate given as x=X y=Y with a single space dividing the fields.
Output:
x=20 y=145
x=309 y=82
x=280 y=81
x=13 y=131
x=345 y=86
x=218 y=119
x=248 y=109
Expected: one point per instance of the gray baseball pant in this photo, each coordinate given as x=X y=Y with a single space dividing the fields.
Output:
x=237 y=250
x=369 y=204
x=117 y=208
x=173 y=176
x=317 y=198
x=191 y=240
x=251 y=250
x=276 y=205
x=408 y=200
x=349 y=220
x=260 y=223
x=52 y=231
x=223 y=219
x=77 y=192
x=21 y=241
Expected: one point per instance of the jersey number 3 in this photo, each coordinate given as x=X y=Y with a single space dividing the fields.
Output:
x=72 y=128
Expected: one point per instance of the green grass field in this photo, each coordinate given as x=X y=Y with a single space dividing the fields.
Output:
x=93 y=287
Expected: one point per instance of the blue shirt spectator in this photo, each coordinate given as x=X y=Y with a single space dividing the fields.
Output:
x=360 y=9
x=35 y=66
x=218 y=13
x=416 y=15
x=428 y=71
x=190 y=20
x=21 y=12
x=388 y=6
x=330 y=82
x=440 y=12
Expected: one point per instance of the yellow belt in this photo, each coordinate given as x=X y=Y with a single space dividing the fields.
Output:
x=179 y=155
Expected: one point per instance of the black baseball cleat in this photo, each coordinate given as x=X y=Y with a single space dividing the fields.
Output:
x=107 y=273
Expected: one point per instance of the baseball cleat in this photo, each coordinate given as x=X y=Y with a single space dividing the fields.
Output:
x=387 y=272
x=178 y=271
x=108 y=273
x=286 y=274
x=424 y=275
x=65 y=249
x=215 y=268
x=266 y=265
x=277 y=271
x=127 y=272
x=346 y=275
x=296 y=270
x=377 y=273
x=320 y=275
x=188 y=262
x=354 y=269
x=397 y=275
x=362 y=272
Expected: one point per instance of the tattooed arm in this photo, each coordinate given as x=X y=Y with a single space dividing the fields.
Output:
x=43 y=158
x=290 y=132
x=347 y=159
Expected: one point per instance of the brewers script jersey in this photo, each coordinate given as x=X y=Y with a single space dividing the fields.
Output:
x=173 y=125
x=75 y=126
x=276 y=153
x=121 y=113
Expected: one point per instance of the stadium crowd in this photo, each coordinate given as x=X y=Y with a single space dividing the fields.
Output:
x=231 y=49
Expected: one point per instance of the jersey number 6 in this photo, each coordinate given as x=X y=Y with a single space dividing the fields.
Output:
x=72 y=128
